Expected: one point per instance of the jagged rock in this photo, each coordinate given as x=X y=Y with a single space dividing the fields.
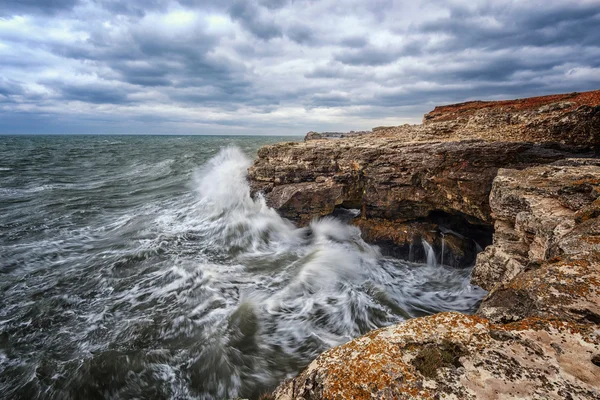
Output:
x=545 y=259
x=312 y=135
x=542 y=213
x=391 y=180
x=565 y=118
x=454 y=356
x=564 y=289
x=399 y=183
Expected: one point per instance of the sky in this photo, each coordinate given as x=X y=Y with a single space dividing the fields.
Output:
x=280 y=67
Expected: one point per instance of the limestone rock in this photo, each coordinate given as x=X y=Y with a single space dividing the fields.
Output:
x=545 y=259
x=389 y=179
x=454 y=356
x=404 y=174
x=312 y=135
x=541 y=213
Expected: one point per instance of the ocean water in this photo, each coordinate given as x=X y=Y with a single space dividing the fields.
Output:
x=140 y=267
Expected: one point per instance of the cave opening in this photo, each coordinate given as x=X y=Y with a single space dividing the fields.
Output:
x=454 y=238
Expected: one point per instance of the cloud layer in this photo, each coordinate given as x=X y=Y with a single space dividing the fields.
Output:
x=279 y=66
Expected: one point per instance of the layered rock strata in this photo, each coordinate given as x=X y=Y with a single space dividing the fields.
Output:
x=435 y=174
x=545 y=259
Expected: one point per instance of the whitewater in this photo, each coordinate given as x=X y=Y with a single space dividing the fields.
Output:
x=166 y=279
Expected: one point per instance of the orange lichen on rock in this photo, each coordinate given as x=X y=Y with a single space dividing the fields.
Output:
x=475 y=359
x=569 y=101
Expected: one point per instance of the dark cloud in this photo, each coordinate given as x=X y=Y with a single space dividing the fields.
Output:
x=95 y=93
x=275 y=4
x=301 y=34
x=367 y=56
x=9 y=87
x=132 y=7
x=251 y=18
x=496 y=27
x=354 y=41
x=21 y=7
x=282 y=66
x=327 y=100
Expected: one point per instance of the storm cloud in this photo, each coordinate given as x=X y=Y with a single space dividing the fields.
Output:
x=279 y=66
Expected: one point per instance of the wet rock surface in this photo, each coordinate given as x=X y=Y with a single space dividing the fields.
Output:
x=536 y=335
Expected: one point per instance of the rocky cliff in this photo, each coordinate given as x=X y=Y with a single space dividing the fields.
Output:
x=525 y=171
x=545 y=259
x=436 y=175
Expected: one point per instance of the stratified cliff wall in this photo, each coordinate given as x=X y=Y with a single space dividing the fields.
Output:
x=439 y=173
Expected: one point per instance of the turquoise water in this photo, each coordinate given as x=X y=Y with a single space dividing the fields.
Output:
x=139 y=266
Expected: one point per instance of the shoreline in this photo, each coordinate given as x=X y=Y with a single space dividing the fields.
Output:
x=527 y=172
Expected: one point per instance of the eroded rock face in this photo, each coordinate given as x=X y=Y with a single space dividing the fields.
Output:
x=399 y=176
x=454 y=356
x=390 y=179
x=395 y=184
x=565 y=118
x=545 y=259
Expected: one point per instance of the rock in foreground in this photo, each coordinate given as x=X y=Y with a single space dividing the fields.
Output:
x=454 y=356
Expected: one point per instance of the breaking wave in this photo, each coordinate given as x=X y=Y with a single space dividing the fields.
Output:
x=214 y=295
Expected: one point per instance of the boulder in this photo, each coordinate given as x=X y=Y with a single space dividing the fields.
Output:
x=455 y=356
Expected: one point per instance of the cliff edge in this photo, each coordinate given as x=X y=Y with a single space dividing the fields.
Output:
x=416 y=182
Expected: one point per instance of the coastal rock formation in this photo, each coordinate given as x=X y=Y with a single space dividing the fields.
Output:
x=390 y=179
x=545 y=259
x=536 y=335
x=454 y=356
x=440 y=171
x=529 y=167
x=563 y=118
x=334 y=135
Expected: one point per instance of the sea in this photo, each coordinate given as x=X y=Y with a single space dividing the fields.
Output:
x=141 y=267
